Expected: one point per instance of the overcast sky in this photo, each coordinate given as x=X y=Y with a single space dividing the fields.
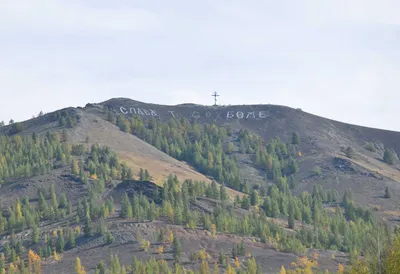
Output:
x=338 y=59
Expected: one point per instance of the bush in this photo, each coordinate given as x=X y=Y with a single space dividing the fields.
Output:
x=350 y=152
x=388 y=157
x=317 y=171
x=370 y=147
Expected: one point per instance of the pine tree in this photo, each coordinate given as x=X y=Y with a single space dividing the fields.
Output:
x=63 y=201
x=387 y=193
x=101 y=268
x=101 y=229
x=54 y=202
x=147 y=175
x=350 y=152
x=109 y=238
x=254 y=197
x=291 y=222
x=35 y=234
x=295 y=138
x=141 y=174
x=88 y=226
x=222 y=258
x=71 y=238
x=245 y=202
x=60 y=242
x=176 y=249
x=74 y=167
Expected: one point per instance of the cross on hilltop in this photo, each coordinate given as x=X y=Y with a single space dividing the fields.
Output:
x=215 y=95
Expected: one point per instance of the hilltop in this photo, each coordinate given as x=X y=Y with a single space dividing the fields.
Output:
x=264 y=177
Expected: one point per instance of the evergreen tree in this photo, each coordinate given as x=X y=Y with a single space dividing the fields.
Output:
x=295 y=138
x=101 y=268
x=387 y=193
x=176 y=249
x=71 y=238
x=101 y=229
x=245 y=202
x=109 y=238
x=254 y=197
x=88 y=226
x=147 y=175
x=350 y=152
x=60 y=244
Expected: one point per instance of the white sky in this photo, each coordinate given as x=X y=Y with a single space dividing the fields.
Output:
x=335 y=58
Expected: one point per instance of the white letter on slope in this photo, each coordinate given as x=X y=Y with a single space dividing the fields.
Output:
x=123 y=110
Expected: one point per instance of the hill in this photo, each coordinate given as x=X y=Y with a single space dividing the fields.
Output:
x=322 y=144
x=237 y=185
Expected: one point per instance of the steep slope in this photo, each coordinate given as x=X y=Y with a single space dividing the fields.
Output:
x=130 y=149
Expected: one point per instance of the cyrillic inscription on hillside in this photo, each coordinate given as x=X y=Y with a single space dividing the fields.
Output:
x=230 y=114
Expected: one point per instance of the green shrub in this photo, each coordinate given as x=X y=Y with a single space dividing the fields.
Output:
x=370 y=147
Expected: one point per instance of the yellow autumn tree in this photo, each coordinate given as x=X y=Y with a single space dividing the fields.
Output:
x=340 y=269
x=214 y=230
x=215 y=268
x=304 y=265
x=204 y=268
x=12 y=269
x=34 y=262
x=160 y=249
x=79 y=269
x=18 y=210
x=170 y=237
x=237 y=263
x=56 y=256
x=145 y=245
x=203 y=254
x=230 y=270
x=283 y=270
